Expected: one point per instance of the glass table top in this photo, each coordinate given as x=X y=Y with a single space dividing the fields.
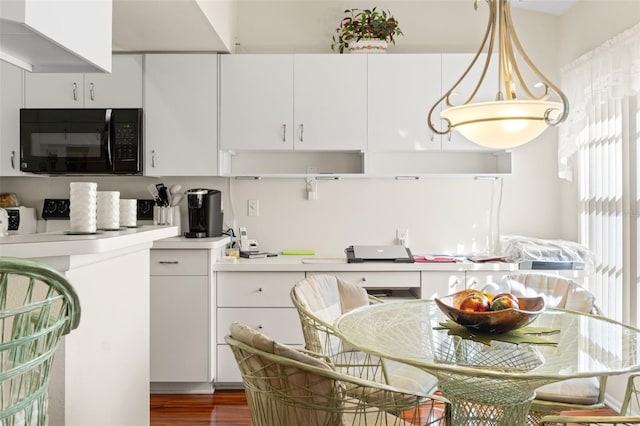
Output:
x=408 y=331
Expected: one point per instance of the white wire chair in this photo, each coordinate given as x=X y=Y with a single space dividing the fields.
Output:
x=564 y=293
x=319 y=300
x=629 y=414
x=37 y=307
x=289 y=387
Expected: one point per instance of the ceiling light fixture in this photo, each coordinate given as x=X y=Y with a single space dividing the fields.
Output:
x=508 y=121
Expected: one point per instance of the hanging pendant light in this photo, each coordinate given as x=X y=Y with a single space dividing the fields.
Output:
x=508 y=121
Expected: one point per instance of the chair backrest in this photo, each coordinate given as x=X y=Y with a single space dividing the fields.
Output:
x=277 y=378
x=37 y=307
x=287 y=387
x=320 y=300
x=559 y=292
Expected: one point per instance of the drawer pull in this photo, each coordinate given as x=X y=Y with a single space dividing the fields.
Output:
x=260 y=290
x=364 y=279
x=259 y=327
x=168 y=262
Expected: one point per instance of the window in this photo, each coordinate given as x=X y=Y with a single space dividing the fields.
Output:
x=600 y=139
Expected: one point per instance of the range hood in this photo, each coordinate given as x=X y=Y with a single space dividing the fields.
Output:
x=56 y=35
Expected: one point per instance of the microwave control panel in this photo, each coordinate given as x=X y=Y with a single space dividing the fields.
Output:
x=126 y=137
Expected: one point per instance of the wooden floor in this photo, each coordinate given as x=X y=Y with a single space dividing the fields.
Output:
x=224 y=407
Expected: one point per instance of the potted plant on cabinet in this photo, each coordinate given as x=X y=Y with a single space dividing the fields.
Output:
x=366 y=31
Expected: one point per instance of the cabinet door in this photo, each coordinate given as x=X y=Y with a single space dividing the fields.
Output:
x=120 y=89
x=439 y=284
x=10 y=104
x=330 y=102
x=453 y=65
x=402 y=88
x=256 y=102
x=180 y=329
x=53 y=90
x=477 y=280
x=180 y=100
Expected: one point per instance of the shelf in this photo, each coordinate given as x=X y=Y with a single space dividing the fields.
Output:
x=355 y=164
x=290 y=163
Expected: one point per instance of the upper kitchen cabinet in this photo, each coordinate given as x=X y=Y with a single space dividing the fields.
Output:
x=10 y=104
x=402 y=89
x=256 y=102
x=293 y=102
x=57 y=36
x=181 y=114
x=120 y=89
x=330 y=102
x=453 y=65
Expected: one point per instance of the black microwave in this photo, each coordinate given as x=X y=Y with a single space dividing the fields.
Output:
x=81 y=141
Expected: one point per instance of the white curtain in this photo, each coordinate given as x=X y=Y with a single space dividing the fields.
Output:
x=611 y=71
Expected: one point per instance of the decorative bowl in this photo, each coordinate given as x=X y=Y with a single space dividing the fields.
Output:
x=491 y=321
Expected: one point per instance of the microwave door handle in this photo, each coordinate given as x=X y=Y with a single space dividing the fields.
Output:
x=108 y=125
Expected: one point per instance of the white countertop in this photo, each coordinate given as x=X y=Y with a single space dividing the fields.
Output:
x=318 y=263
x=55 y=244
x=192 y=243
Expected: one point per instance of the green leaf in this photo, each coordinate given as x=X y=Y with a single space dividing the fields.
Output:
x=522 y=335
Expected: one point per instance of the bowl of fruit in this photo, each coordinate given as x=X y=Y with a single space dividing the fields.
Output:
x=488 y=313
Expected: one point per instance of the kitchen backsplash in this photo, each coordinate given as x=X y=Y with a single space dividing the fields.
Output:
x=442 y=215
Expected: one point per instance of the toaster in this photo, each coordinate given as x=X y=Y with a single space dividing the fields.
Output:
x=22 y=220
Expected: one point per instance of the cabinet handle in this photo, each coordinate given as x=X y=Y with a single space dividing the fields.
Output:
x=260 y=290
x=13 y=160
x=75 y=91
x=364 y=279
x=284 y=133
x=153 y=158
x=168 y=262
x=301 y=132
x=431 y=135
x=259 y=327
x=91 y=91
x=449 y=135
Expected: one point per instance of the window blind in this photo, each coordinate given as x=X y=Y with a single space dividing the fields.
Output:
x=602 y=216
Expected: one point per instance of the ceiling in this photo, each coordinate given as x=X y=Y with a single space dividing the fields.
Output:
x=181 y=25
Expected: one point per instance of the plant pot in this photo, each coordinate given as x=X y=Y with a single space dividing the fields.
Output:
x=368 y=46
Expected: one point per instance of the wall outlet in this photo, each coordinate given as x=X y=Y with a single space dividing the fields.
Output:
x=253 y=207
x=402 y=235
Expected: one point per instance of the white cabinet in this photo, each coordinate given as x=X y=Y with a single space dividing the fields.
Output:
x=330 y=101
x=180 y=108
x=453 y=65
x=293 y=102
x=182 y=326
x=256 y=102
x=120 y=89
x=10 y=104
x=260 y=300
x=402 y=88
x=441 y=283
x=386 y=285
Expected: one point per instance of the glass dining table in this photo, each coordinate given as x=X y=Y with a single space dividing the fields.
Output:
x=492 y=384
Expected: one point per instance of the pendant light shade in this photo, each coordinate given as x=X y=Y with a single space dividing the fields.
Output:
x=501 y=124
x=508 y=121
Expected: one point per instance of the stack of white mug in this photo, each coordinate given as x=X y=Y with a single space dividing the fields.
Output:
x=83 y=207
x=108 y=210
x=90 y=209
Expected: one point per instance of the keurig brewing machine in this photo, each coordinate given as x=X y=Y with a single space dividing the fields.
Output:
x=205 y=213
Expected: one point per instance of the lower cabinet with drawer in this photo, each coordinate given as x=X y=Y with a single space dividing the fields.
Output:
x=182 y=328
x=260 y=300
x=386 y=285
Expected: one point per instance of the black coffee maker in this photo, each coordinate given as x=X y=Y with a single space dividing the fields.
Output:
x=205 y=213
